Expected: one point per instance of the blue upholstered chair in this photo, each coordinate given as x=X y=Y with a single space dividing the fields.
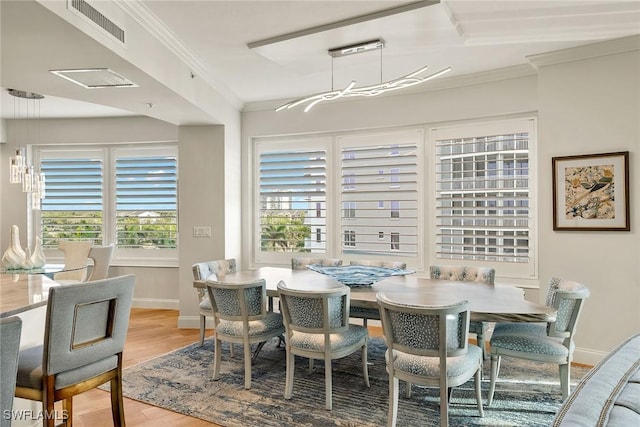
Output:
x=378 y=263
x=240 y=315
x=428 y=345
x=10 y=328
x=542 y=342
x=459 y=273
x=302 y=263
x=209 y=270
x=317 y=326
x=372 y=313
x=85 y=330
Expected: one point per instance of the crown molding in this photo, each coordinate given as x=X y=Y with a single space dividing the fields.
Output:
x=593 y=50
x=138 y=11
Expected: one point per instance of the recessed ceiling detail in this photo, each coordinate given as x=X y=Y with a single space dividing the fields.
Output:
x=94 y=78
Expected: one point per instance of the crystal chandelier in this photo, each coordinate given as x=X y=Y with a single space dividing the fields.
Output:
x=20 y=170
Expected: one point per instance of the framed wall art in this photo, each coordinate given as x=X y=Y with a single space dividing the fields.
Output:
x=591 y=192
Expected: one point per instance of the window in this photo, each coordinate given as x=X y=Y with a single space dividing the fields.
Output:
x=112 y=194
x=395 y=241
x=350 y=238
x=291 y=193
x=364 y=159
x=371 y=170
x=483 y=195
x=395 y=209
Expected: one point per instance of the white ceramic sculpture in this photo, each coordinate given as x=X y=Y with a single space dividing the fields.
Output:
x=37 y=257
x=14 y=256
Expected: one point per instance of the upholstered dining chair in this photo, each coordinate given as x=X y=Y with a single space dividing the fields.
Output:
x=76 y=253
x=209 y=270
x=240 y=315
x=379 y=263
x=542 y=342
x=302 y=263
x=10 y=329
x=372 y=313
x=459 y=273
x=317 y=326
x=428 y=345
x=101 y=257
x=85 y=330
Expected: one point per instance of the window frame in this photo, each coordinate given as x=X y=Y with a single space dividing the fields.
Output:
x=165 y=257
x=511 y=270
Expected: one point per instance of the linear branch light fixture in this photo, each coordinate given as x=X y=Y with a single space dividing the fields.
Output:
x=412 y=79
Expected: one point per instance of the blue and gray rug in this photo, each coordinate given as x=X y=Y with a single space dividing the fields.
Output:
x=527 y=394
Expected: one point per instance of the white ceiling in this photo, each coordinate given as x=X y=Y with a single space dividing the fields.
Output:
x=212 y=36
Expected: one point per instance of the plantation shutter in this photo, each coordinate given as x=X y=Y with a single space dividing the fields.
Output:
x=146 y=201
x=292 y=182
x=483 y=202
x=379 y=193
x=73 y=203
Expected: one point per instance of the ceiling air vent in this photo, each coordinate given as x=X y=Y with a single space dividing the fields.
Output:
x=93 y=78
x=90 y=12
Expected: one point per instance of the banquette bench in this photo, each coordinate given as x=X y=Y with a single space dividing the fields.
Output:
x=609 y=394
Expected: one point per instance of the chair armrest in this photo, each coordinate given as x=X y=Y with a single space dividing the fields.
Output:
x=202 y=284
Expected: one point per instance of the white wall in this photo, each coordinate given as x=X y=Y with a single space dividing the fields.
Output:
x=586 y=106
x=593 y=106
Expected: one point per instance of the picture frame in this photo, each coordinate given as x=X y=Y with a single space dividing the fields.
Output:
x=591 y=192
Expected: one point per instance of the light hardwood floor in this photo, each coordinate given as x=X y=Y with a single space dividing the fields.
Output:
x=151 y=333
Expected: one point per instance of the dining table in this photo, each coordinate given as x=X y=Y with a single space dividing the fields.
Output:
x=487 y=303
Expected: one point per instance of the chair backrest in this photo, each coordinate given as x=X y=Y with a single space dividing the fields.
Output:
x=10 y=329
x=567 y=297
x=238 y=302
x=302 y=263
x=386 y=264
x=76 y=254
x=101 y=256
x=212 y=269
x=463 y=273
x=433 y=331
x=86 y=323
x=316 y=312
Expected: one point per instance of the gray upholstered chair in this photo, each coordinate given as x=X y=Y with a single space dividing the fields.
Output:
x=101 y=257
x=240 y=315
x=10 y=328
x=209 y=270
x=377 y=263
x=542 y=342
x=459 y=273
x=317 y=326
x=428 y=345
x=302 y=263
x=76 y=253
x=85 y=330
x=372 y=313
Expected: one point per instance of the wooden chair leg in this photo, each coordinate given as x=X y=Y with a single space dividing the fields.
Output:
x=67 y=411
x=328 y=384
x=117 y=401
x=394 y=385
x=203 y=325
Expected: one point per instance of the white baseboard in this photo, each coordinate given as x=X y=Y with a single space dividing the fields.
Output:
x=588 y=356
x=168 y=304
x=192 y=322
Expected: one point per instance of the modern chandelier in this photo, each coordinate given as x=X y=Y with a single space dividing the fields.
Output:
x=412 y=79
x=20 y=170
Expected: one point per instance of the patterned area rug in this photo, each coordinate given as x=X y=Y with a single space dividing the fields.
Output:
x=527 y=394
